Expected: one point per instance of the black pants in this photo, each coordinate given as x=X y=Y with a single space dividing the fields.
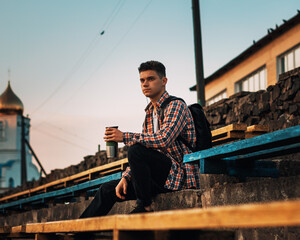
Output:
x=149 y=171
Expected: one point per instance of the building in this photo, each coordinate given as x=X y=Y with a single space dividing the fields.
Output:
x=11 y=119
x=258 y=66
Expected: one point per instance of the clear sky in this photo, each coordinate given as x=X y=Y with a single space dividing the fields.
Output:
x=74 y=62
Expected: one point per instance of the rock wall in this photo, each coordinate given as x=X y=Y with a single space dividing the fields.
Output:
x=88 y=162
x=278 y=106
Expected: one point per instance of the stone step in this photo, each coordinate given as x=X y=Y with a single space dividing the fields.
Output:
x=260 y=190
x=167 y=201
x=287 y=166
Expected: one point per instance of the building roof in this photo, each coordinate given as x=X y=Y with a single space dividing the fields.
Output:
x=271 y=36
x=9 y=102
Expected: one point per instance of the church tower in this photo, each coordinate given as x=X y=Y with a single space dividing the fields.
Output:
x=15 y=157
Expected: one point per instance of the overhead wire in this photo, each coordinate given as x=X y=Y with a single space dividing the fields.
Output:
x=108 y=55
x=82 y=58
x=68 y=132
x=113 y=14
x=80 y=61
x=68 y=77
x=63 y=140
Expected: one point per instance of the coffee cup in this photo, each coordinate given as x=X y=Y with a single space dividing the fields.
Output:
x=111 y=147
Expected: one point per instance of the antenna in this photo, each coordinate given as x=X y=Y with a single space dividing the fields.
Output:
x=8 y=75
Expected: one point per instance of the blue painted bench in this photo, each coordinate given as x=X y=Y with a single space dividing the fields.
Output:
x=59 y=194
x=243 y=158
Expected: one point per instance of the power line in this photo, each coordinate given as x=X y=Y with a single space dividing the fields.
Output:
x=107 y=57
x=68 y=132
x=68 y=77
x=113 y=14
x=110 y=53
x=82 y=58
x=63 y=140
x=85 y=54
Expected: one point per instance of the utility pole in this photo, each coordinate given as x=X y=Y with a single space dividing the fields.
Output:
x=200 y=86
x=36 y=158
x=23 y=153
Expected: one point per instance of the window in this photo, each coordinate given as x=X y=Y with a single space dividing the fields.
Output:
x=2 y=130
x=11 y=183
x=289 y=60
x=217 y=97
x=253 y=82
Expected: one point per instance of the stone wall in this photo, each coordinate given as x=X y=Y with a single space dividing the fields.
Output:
x=88 y=162
x=278 y=106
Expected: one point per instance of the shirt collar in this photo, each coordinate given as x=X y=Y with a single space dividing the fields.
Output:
x=159 y=102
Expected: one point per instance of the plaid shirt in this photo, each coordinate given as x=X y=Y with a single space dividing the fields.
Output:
x=177 y=121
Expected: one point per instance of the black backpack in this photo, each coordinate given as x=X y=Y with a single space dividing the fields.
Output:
x=203 y=134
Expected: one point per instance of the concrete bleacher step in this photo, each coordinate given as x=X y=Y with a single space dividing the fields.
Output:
x=169 y=201
x=255 y=216
x=260 y=190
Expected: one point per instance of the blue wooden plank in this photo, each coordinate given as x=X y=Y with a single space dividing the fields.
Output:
x=267 y=153
x=91 y=192
x=238 y=168
x=61 y=192
x=217 y=166
x=252 y=168
x=212 y=166
x=266 y=141
x=254 y=172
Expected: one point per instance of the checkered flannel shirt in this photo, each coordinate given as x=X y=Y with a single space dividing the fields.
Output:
x=177 y=121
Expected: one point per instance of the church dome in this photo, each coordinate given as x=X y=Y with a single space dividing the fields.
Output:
x=9 y=102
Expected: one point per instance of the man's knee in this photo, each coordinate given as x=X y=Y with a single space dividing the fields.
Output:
x=108 y=187
x=135 y=149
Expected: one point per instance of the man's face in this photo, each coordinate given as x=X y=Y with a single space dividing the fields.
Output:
x=152 y=85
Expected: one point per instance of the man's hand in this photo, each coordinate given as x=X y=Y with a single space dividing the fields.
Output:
x=121 y=189
x=113 y=134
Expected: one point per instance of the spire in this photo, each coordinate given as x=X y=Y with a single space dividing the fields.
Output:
x=8 y=75
x=9 y=101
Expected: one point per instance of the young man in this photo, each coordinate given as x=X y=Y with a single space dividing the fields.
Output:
x=155 y=155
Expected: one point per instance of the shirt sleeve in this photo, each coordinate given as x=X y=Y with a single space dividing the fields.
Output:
x=127 y=174
x=175 y=117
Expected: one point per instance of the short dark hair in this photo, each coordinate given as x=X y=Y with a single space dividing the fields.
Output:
x=153 y=65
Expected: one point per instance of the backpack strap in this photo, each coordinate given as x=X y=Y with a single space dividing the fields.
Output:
x=170 y=99
x=163 y=106
x=166 y=103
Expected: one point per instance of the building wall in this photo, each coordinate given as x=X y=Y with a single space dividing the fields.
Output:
x=14 y=172
x=10 y=145
x=10 y=150
x=9 y=142
x=266 y=56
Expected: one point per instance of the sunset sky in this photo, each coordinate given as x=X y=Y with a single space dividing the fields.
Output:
x=74 y=63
